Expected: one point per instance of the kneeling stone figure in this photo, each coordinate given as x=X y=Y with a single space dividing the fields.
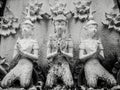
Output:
x=90 y=49
x=25 y=52
x=59 y=48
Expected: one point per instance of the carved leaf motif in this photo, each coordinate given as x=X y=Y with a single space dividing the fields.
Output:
x=33 y=11
x=82 y=10
x=9 y=25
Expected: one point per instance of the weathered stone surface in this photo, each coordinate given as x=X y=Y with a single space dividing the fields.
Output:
x=110 y=39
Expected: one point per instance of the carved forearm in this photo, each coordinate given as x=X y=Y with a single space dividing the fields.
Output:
x=31 y=56
x=51 y=55
x=67 y=54
x=84 y=58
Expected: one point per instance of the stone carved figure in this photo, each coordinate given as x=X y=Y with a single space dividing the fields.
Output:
x=59 y=49
x=91 y=51
x=26 y=53
x=82 y=10
x=33 y=10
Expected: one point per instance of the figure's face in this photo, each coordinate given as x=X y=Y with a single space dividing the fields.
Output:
x=26 y=30
x=60 y=27
x=92 y=30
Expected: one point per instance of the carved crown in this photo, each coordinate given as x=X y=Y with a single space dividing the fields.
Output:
x=59 y=8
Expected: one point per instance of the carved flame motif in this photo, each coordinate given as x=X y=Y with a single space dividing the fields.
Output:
x=82 y=9
x=59 y=9
x=33 y=11
x=1 y=4
x=112 y=21
x=8 y=25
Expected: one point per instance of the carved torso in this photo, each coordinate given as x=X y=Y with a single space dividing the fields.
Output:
x=89 y=45
x=65 y=43
x=28 y=45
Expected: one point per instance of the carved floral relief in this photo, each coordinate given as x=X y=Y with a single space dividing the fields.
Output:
x=82 y=10
x=112 y=21
x=59 y=9
x=8 y=25
x=33 y=10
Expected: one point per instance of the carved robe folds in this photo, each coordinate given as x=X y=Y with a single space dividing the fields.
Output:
x=59 y=68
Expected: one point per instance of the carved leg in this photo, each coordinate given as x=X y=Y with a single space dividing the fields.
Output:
x=90 y=74
x=109 y=78
x=67 y=75
x=91 y=78
x=50 y=77
x=26 y=75
x=93 y=70
x=8 y=79
x=106 y=75
x=92 y=81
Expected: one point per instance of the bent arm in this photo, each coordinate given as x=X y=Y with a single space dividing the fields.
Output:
x=33 y=56
x=84 y=57
x=15 y=52
x=50 y=54
x=35 y=51
x=70 y=49
x=69 y=53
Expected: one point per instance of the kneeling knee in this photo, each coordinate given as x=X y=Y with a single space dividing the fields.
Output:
x=25 y=84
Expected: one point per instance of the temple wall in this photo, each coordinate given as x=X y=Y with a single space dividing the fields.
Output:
x=45 y=27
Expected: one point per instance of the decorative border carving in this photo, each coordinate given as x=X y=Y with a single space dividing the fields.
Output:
x=112 y=21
